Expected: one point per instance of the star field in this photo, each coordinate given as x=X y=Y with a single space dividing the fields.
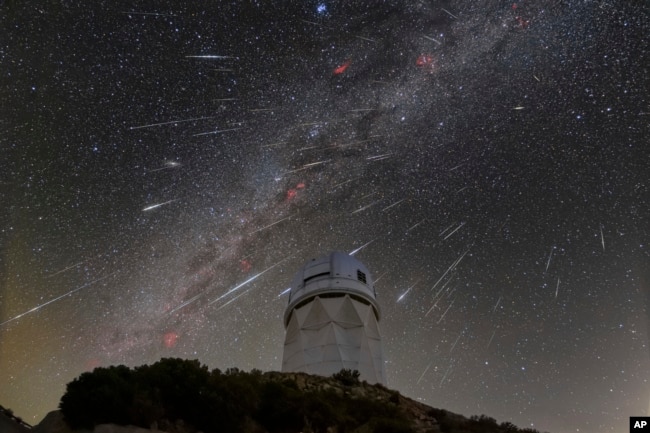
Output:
x=168 y=166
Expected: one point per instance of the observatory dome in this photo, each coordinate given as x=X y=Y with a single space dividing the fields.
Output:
x=332 y=320
x=336 y=272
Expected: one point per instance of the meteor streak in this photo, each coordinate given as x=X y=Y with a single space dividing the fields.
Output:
x=392 y=205
x=491 y=338
x=157 y=14
x=275 y=144
x=423 y=373
x=379 y=157
x=154 y=206
x=415 y=225
x=365 y=39
x=209 y=56
x=431 y=309
x=218 y=131
x=362 y=247
x=431 y=39
x=306 y=166
x=284 y=292
x=233 y=299
x=496 y=305
x=188 y=302
x=548 y=262
x=343 y=183
x=168 y=165
x=311 y=164
x=445 y=230
x=445 y=313
x=317 y=24
x=250 y=280
x=407 y=291
x=446 y=373
x=381 y=276
x=271 y=225
x=450 y=14
x=452 y=266
x=443 y=287
x=365 y=207
x=58 y=298
x=456 y=342
x=151 y=125
x=65 y=269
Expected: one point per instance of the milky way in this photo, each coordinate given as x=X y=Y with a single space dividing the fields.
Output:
x=168 y=167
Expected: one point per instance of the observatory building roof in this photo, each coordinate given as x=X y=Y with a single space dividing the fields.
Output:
x=334 y=273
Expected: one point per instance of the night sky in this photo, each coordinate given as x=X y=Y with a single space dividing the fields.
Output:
x=166 y=168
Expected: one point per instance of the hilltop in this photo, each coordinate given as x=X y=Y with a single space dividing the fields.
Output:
x=181 y=396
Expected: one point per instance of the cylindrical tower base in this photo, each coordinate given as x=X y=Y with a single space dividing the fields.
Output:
x=331 y=327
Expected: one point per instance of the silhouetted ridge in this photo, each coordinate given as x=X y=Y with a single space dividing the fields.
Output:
x=178 y=395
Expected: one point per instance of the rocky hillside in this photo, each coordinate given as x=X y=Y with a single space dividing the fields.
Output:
x=177 y=396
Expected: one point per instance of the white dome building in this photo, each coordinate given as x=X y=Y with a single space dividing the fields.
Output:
x=332 y=320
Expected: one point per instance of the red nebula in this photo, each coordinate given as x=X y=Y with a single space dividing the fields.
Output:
x=424 y=61
x=245 y=265
x=293 y=192
x=522 y=23
x=342 y=68
x=170 y=339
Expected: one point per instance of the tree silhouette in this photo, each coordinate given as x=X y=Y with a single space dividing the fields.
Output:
x=172 y=390
x=347 y=377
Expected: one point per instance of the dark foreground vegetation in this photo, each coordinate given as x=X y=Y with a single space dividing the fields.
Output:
x=184 y=396
x=449 y=422
x=213 y=401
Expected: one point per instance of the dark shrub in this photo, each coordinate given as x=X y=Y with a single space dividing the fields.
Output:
x=347 y=377
x=101 y=396
x=174 y=390
x=280 y=408
x=391 y=425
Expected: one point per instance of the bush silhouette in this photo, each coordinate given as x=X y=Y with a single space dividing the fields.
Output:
x=452 y=423
x=174 y=389
x=347 y=377
x=281 y=408
x=102 y=396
